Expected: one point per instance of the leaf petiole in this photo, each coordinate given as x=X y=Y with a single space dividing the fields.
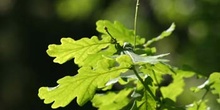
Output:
x=135 y=21
x=142 y=82
x=113 y=40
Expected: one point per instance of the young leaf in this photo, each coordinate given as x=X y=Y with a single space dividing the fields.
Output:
x=112 y=100
x=157 y=71
x=84 y=84
x=146 y=59
x=214 y=81
x=145 y=95
x=205 y=85
x=162 y=35
x=92 y=59
x=177 y=85
x=118 y=31
x=211 y=84
x=79 y=49
x=199 y=105
x=147 y=102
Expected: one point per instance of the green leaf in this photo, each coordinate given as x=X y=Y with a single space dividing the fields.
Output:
x=147 y=102
x=146 y=59
x=144 y=95
x=79 y=49
x=168 y=104
x=198 y=105
x=214 y=81
x=157 y=71
x=112 y=100
x=118 y=31
x=162 y=35
x=205 y=85
x=145 y=51
x=177 y=85
x=211 y=84
x=84 y=84
x=92 y=59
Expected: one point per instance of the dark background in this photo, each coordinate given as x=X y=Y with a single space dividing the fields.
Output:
x=27 y=27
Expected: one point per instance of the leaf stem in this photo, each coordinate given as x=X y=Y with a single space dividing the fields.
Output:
x=135 y=21
x=138 y=76
x=142 y=82
x=113 y=40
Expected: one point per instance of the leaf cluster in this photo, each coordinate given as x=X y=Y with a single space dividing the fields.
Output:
x=129 y=75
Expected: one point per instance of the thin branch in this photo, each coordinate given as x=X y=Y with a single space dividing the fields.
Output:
x=135 y=21
x=138 y=76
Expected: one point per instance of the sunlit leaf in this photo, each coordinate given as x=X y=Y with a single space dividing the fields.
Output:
x=84 y=84
x=146 y=59
x=200 y=87
x=144 y=95
x=198 y=105
x=128 y=76
x=118 y=31
x=92 y=59
x=212 y=84
x=162 y=35
x=79 y=49
x=112 y=100
x=157 y=71
x=176 y=87
x=147 y=102
x=214 y=81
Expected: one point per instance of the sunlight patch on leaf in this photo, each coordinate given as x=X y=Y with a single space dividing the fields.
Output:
x=78 y=49
x=211 y=84
x=214 y=81
x=92 y=59
x=177 y=85
x=119 y=32
x=200 y=87
x=199 y=105
x=146 y=103
x=112 y=100
x=125 y=78
x=84 y=84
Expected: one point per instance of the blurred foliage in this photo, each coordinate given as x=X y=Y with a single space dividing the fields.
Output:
x=75 y=9
x=28 y=26
x=173 y=10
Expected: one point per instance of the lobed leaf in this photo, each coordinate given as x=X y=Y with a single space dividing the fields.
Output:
x=84 y=84
x=205 y=86
x=144 y=95
x=112 y=100
x=147 y=102
x=118 y=31
x=198 y=105
x=146 y=59
x=214 y=81
x=177 y=85
x=212 y=84
x=79 y=49
x=92 y=59
x=162 y=35
x=157 y=71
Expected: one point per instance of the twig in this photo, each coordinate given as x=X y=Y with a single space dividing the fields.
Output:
x=135 y=21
